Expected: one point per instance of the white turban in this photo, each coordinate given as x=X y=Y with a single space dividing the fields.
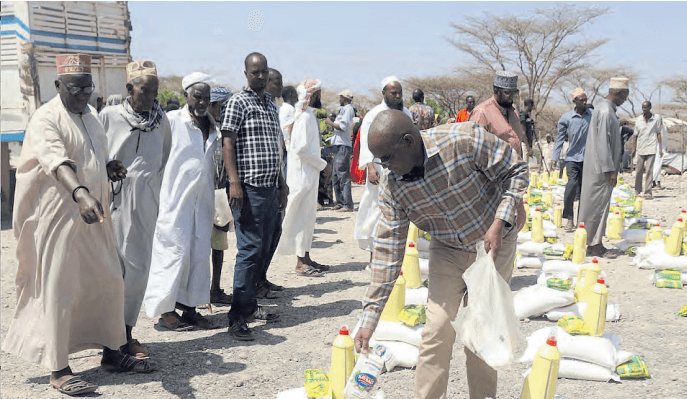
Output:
x=389 y=79
x=305 y=90
x=196 y=77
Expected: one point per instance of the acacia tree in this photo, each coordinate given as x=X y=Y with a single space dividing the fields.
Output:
x=543 y=46
x=679 y=87
x=450 y=90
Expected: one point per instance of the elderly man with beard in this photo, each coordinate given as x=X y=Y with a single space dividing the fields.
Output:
x=368 y=210
x=304 y=164
x=139 y=135
x=257 y=191
x=69 y=282
x=180 y=269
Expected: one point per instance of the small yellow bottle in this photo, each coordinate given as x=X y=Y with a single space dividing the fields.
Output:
x=558 y=215
x=619 y=180
x=583 y=286
x=614 y=227
x=542 y=380
x=655 y=233
x=580 y=245
x=548 y=198
x=674 y=241
x=565 y=175
x=537 y=226
x=639 y=201
x=544 y=178
x=533 y=178
x=396 y=302
x=553 y=178
x=594 y=314
x=343 y=360
x=411 y=267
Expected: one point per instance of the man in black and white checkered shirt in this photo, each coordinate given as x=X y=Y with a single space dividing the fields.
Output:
x=257 y=192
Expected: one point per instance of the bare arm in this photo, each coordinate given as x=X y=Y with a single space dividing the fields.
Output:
x=229 y=156
x=91 y=209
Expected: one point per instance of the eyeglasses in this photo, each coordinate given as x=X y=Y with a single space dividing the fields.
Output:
x=74 y=90
x=386 y=160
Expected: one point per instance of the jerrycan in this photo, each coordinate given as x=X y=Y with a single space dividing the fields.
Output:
x=594 y=314
x=558 y=215
x=343 y=360
x=548 y=198
x=553 y=177
x=619 y=208
x=584 y=285
x=580 y=245
x=544 y=178
x=533 y=178
x=639 y=201
x=396 y=302
x=537 y=226
x=542 y=380
x=655 y=233
x=411 y=267
x=614 y=227
x=674 y=241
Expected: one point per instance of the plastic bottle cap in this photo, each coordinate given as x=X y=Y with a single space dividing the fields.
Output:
x=558 y=203
x=600 y=280
x=582 y=225
x=343 y=330
x=412 y=244
x=658 y=224
x=401 y=273
x=595 y=260
x=684 y=211
x=551 y=341
x=536 y=209
x=525 y=202
x=617 y=213
x=679 y=220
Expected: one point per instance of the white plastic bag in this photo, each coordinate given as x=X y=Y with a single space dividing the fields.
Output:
x=223 y=215
x=536 y=300
x=634 y=235
x=487 y=325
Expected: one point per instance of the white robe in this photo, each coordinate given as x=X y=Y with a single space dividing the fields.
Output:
x=303 y=172
x=368 y=209
x=70 y=292
x=135 y=208
x=602 y=155
x=180 y=265
x=658 y=161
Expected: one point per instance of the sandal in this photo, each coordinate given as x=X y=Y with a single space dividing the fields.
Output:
x=196 y=319
x=318 y=266
x=266 y=293
x=310 y=272
x=176 y=325
x=134 y=348
x=220 y=297
x=126 y=363
x=72 y=385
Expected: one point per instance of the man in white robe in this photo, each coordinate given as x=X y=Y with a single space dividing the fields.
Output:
x=368 y=209
x=304 y=166
x=602 y=161
x=70 y=293
x=138 y=135
x=180 y=267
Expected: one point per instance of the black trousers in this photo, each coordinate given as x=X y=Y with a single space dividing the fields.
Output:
x=572 y=188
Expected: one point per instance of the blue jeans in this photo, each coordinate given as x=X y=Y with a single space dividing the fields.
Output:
x=572 y=188
x=258 y=227
x=341 y=178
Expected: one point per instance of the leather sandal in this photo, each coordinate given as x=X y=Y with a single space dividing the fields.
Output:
x=72 y=385
x=124 y=363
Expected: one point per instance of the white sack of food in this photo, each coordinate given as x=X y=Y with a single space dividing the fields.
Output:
x=532 y=248
x=524 y=236
x=634 y=235
x=653 y=256
x=549 y=225
x=538 y=299
x=552 y=266
x=417 y=296
x=397 y=331
x=424 y=268
x=580 y=370
x=296 y=393
x=577 y=309
x=403 y=354
x=532 y=262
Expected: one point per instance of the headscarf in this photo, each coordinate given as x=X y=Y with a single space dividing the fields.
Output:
x=145 y=121
x=140 y=68
x=577 y=92
x=196 y=77
x=305 y=90
x=220 y=94
x=389 y=79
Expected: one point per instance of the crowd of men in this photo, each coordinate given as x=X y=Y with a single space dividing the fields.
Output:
x=120 y=208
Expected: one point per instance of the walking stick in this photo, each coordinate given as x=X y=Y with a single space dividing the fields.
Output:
x=534 y=133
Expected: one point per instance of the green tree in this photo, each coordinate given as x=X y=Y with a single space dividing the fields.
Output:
x=163 y=95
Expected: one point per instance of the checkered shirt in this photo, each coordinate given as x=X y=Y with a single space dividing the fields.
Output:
x=471 y=177
x=258 y=157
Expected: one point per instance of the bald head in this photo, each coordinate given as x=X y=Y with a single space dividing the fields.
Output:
x=396 y=141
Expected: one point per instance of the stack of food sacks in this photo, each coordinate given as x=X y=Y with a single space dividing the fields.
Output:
x=666 y=253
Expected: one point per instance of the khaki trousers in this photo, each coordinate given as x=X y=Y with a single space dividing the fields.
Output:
x=645 y=173
x=446 y=289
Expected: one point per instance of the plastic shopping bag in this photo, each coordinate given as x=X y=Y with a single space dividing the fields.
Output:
x=488 y=325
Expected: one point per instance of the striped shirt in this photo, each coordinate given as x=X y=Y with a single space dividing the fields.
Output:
x=258 y=158
x=471 y=177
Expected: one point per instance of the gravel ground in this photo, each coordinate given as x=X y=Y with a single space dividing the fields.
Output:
x=210 y=364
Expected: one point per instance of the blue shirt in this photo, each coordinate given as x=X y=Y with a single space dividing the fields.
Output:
x=343 y=136
x=573 y=128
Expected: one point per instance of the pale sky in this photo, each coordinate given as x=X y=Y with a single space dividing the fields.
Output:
x=356 y=44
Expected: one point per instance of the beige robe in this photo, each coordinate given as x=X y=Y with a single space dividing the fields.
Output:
x=70 y=291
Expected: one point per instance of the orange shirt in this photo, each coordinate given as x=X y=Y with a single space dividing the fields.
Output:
x=463 y=115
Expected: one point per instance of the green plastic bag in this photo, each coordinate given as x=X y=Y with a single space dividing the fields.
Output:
x=635 y=368
x=668 y=279
x=573 y=325
x=413 y=315
x=682 y=312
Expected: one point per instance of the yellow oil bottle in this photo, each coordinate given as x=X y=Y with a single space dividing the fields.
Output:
x=655 y=233
x=594 y=314
x=674 y=241
x=396 y=302
x=537 y=226
x=553 y=177
x=619 y=180
x=614 y=227
x=343 y=360
x=542 y=380
x=683 y=225
x=583 y=286
x=580 y=245
x=411 y=267
x=544 y=178
x=565 y=175
x=619 y=208
x=527 y=216
x=533 y=178
x=639 y=201
x=548 y=198
x=413 y=232
x=558 y=215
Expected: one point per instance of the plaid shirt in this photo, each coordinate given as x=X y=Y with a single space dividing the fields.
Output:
x=471 y=177
x=258 y=157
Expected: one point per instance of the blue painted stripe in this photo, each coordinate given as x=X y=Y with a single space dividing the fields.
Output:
x=13 y=32
x=80 y=47
x=11 y=19
x=6 y=137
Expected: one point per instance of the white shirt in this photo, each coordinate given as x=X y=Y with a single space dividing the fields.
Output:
x=285 y=121
x=647 y=132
